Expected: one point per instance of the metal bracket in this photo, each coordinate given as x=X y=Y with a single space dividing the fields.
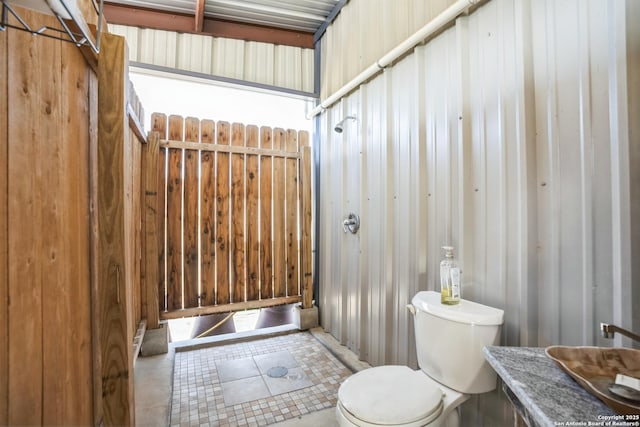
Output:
x=64 y=33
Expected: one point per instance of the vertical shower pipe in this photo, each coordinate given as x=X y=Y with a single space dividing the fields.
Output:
x=317 y=147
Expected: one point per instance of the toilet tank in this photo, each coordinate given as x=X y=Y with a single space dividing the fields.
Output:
x=449 y=341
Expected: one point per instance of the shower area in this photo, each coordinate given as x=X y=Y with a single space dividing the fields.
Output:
x=259 y=382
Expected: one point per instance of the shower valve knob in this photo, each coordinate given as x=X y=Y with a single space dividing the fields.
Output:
x=351 y=223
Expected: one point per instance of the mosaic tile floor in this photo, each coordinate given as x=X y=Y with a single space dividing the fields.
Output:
x=229 y=385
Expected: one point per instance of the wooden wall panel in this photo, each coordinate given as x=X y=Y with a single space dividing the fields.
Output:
x=47 y=353
x=191 y=160
x=279 y=249
x=88 y=11
x=62 y=215
x=35 y=113
x=174 y=217
x=207 y=220
x=266 y=239
x=117 y=363
x=4 y=238
x=66 y=329
x=222 y=217
x=253 y=244
x=238 y=270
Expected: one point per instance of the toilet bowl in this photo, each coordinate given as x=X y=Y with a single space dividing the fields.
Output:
x=400 y=397
x=449 y=341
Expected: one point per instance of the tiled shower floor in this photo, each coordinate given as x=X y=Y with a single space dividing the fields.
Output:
x=230 y=385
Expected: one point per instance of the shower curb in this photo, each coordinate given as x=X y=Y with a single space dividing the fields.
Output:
x=236 y=337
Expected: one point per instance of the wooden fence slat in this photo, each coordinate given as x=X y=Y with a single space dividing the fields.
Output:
x=47 y=177
x=132 y=211
x=253 y=220
x=159 y=125
x=238 y=272
x=174 y=217
x=207 y=216
x=279 y=249
x=306 y=264
x=266 y=240
x=96 y=298
x=4 y=233
x=222 y=217
x=190 y=222
x=151 y=216
x=291 y=211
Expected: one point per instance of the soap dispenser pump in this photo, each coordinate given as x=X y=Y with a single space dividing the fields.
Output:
x=449 y=278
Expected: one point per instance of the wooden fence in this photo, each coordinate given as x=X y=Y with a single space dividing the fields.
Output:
x=233 y=221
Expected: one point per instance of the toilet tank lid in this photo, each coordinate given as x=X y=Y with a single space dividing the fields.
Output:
x=465 y=312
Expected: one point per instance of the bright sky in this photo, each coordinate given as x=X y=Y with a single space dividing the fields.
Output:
x=219 y=103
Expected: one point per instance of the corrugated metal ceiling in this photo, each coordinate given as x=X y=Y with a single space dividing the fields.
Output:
x=299 y=15
x=187 y=7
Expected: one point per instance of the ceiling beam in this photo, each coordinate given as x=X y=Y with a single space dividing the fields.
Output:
x=147 y=18
x=199 y=16
x=120 y=14
x=242 y=31
x=332 y=15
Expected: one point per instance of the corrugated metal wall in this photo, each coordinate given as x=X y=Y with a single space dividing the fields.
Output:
x=512 y=136
x=366 y=30
x=264 y=63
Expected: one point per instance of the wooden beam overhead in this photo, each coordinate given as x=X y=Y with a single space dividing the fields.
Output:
x=258 y=33
x=147 y=18
x=162 y=20
x=199 y=16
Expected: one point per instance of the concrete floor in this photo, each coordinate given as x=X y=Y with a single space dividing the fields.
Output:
x=154 y=376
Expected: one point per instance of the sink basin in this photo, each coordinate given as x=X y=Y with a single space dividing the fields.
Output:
x=595 y=369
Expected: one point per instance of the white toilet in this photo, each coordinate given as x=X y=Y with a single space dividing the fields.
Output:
x=449 y=341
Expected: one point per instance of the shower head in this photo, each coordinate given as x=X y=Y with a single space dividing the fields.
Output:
x=340 y=125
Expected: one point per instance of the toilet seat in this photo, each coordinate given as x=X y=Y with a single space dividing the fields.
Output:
x=390 y=395
x=361 y=423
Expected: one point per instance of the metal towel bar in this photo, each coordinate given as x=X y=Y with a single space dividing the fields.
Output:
x=65 y=33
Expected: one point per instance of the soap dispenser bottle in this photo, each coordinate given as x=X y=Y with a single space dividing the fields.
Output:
x=449 y=278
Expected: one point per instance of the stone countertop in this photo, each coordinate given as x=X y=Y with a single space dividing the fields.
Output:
x=541 y=392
